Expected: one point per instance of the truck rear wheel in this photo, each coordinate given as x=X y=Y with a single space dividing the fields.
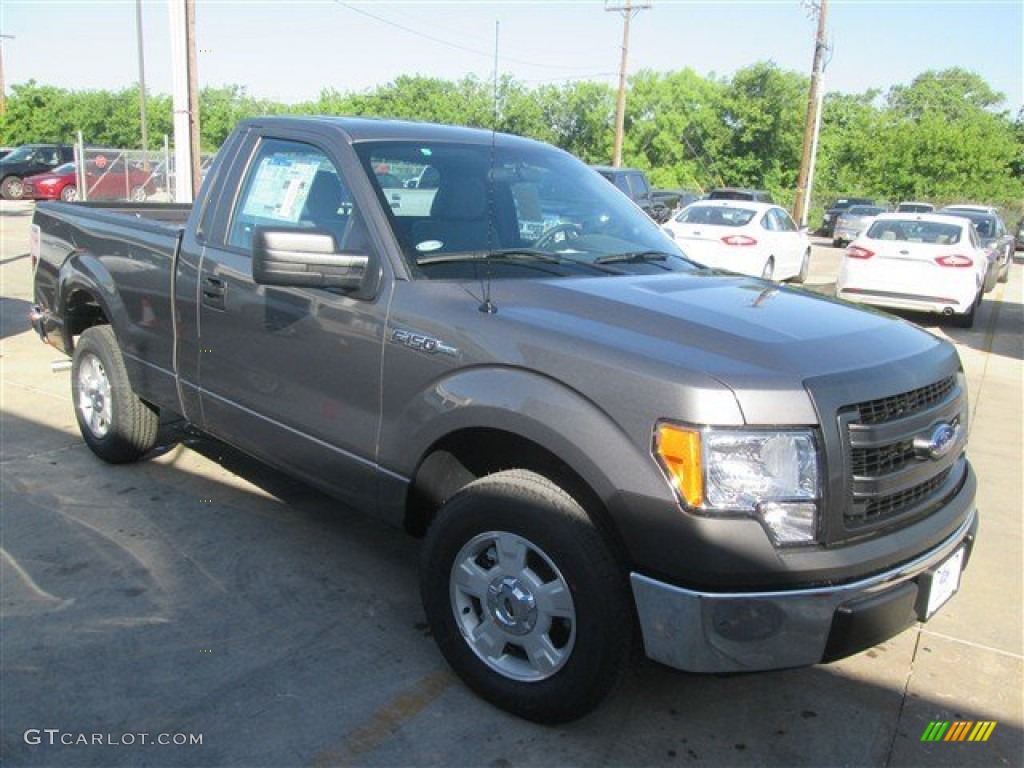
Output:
x=525 y=598
x=115 y=423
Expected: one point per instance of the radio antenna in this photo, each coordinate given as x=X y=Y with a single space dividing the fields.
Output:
x=487 y=307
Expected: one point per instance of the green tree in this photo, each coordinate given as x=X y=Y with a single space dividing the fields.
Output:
x=672 y=128
x=763 y=108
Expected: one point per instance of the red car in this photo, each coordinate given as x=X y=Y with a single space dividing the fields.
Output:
x=104 y=183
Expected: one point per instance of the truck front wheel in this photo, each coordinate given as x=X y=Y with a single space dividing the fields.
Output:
x=525 y=598
x=11 y=188
x=116 y=424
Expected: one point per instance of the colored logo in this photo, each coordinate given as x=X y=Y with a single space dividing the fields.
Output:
x=939 y=443
x=939 y=730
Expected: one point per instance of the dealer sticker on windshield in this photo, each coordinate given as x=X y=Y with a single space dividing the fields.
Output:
x=945 y=582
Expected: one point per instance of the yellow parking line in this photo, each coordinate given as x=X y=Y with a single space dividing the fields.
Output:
x=385 y=722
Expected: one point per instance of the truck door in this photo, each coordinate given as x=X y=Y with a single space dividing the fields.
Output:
x=293 y=375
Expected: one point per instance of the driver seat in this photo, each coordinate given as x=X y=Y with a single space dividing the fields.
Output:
x=464 y=217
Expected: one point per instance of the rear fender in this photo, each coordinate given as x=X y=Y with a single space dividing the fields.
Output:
x=82 y=272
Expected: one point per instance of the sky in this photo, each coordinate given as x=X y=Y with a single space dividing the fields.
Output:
x=291 y=50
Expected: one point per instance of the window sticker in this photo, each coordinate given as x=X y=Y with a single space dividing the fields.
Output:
x=281 y=186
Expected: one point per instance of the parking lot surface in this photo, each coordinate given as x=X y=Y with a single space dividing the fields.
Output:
x=199 y=609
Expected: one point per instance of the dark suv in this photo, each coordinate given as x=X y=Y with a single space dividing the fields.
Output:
x=28 y=160
x=832 y=213
x=740 y=193
x=633 y=183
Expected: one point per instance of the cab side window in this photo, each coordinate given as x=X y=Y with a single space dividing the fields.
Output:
x=291 y=184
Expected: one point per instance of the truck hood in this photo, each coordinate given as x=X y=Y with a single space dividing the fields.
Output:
x=750 y=335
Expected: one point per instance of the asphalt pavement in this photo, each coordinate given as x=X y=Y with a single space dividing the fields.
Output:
x=199 y=609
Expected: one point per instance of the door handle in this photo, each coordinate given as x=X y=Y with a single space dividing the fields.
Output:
x=214 y=291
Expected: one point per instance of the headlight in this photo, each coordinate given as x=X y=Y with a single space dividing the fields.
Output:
x=965 y=405
x=772 y=475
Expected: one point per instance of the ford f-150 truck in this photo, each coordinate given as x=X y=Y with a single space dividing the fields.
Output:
x=601 y=442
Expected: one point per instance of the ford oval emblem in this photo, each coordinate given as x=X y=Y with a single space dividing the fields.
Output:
x=942 y=439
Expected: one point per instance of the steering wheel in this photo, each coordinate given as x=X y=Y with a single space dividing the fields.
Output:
x=550 y=236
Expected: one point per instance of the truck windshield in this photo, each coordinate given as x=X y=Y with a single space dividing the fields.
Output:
x=527 y=210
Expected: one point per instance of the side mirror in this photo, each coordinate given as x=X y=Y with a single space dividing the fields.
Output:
x=305 y=258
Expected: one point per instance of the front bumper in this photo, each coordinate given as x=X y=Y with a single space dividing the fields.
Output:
x=745 y=632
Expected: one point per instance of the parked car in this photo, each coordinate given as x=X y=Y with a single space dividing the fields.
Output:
x=852 y=222
x=633 y=183
x=28 y=160
x=913 y=206
x=675 y=199
x=740 y=193
x=110 y=182
x=995 y=239
x=828 y=221
x=758 y=239
x=1020 y=235
x=974 y=207
x=920 y=262
x=58 y=184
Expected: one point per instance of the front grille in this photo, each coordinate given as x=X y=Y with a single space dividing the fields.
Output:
x=889 y=408
x=872 y=462
x=890 y=482
x=895 y=504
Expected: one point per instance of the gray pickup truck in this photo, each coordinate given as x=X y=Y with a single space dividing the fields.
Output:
x=602 y=444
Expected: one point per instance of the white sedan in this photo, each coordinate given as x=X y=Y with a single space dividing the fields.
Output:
x=757 y=239
x=919 y=262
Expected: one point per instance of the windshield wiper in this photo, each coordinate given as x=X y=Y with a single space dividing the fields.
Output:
x=526 y=254
x=633 y=257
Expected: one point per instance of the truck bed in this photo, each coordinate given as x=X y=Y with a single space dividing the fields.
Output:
x=161 y=214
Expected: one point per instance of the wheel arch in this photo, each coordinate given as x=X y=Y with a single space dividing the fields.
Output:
x=514 y=419
x=467 y=455
x=87 y=297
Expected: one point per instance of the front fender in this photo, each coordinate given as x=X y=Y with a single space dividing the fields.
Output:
x=536 y=408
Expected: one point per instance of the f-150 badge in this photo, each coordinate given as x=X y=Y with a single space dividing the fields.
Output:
x=422 y=343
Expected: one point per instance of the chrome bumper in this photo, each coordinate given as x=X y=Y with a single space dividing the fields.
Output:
x=744 y=632
x=47 y=326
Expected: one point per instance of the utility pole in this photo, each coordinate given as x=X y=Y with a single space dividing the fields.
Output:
x=628 y=11
x=813 y=123
x=142 y=86
x=3 y=85
x=193 y=95
x=185 y=96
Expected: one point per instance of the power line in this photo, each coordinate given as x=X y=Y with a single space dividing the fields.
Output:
x=451 y=44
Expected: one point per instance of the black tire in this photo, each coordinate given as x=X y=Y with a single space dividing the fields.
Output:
x=1004 y=273
x=118 y=426
x=11 y=188
x=512 y=559
x=805 y=268
x=69 y=193
x=837 y=243
x=966 y=320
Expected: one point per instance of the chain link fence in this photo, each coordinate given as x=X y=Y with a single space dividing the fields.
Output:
x=114 y=174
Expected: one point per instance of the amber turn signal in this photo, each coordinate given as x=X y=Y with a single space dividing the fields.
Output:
x=680 y=453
